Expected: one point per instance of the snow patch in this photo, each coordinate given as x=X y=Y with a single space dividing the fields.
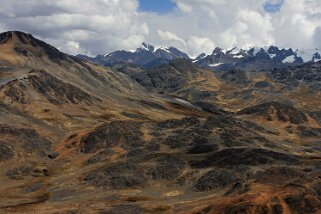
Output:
x=272 y=56
x=163 y=49
x=238 y=56
x=289 y=59
x=215 y=65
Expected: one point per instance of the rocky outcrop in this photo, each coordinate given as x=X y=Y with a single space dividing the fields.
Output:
x=28 y=139
x=215 y=179
x=57 y=91
x=5 y=152
x=119 y=176
x=16 y=91
x=53 y=89
x=276 y=111
x=123 y=134
x=168 y=77
x=248 y=157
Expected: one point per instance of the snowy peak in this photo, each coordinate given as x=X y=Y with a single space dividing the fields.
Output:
x=146 y=55
x=257 y=58
x=145 y=47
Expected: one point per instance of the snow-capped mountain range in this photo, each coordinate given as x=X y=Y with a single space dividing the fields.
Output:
x=221 y=59
x=256 y=58
x=146 y=56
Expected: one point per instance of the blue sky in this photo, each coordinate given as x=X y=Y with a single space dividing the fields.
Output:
x=159 y=6
x=273 y=7
x=164 y=6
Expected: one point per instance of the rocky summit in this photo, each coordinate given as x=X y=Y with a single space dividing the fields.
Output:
x=156 y=132
x=253 y=58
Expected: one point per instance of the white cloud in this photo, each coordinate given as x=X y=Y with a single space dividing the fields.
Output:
x=169 y=36
x=195 y=26
x=200 y=45
x=184 y=7
x=250 y=29
x=317 y=38
x=98 y=26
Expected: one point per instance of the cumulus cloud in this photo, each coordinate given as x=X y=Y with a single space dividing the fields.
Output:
x=195 y=26
x=317 y=38
x=250 y=29
x=98 y=26
x=200 y=45
x=169 y=36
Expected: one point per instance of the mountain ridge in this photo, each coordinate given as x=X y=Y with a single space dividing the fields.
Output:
x=220 y=59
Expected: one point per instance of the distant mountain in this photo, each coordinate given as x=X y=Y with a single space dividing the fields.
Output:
x=256 y=58
x=146 y=56
x=267 y=58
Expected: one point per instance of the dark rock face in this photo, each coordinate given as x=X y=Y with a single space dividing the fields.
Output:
x=125 y=134
x=201 y=149
x=166 y=77
x=166 y=168
x=152 y=105
x=58 y=92
x=5 y=152
x=53 y=155
x=212 y=180
x=240 y=156
x=123 y=209
x=176 y=123
x=316 y=115
x=307 y=74
x=309 y=132
x=119 y=176
x=134 y=116
x=100 y=157
x=277 y=209
x=20 y=171
x=29 y=139
x=34 y=187
x=4 y=37
x=306 y=203
x=236 y=76
x=262 y=84
x=135 y=173
x=16 y=91
x=279 y=175
x=282 y=112
x=53 y=89
x=235 y=132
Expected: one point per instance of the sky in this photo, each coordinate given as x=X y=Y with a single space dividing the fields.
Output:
x=157 y=6
x=194 y=26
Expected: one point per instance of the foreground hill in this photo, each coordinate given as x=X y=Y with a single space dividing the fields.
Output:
x=80 y=138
